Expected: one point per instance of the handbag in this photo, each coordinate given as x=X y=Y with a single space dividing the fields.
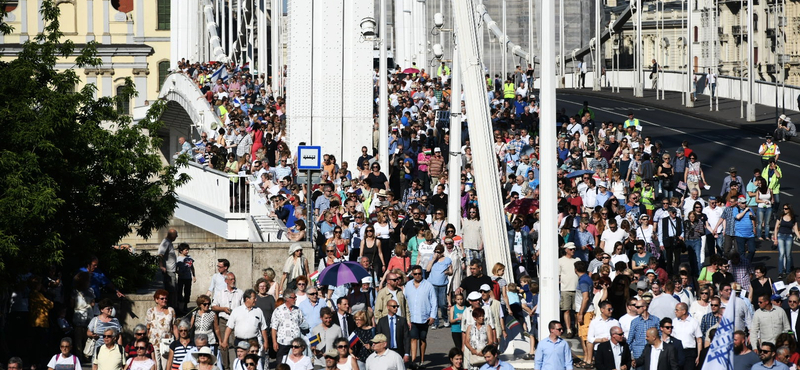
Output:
x=88 y=348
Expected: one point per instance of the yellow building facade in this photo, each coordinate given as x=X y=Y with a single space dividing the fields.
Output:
x=133 y=38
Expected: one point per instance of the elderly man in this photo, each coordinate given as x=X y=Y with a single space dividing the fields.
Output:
x=286 y=322
x=382 y=358
x=109 y=356
x=421 y=311
x=783 y=355
x=225 y=301
x=768 y=322
x=248 y=321
x=311 y=307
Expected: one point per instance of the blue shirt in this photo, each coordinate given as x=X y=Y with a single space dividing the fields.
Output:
x=421 y=301
x=559 y=356
x=311 y=313
x=638 y=331
x=500 y=366
x=776 y=365
x=98 y=281
x=437 y=276
x=744 y=226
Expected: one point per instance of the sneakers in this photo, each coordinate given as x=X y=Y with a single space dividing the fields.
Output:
x=446 y=325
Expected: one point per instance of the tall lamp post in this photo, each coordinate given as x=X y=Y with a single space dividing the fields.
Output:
x=597 y=52
x=751 y=104
x=689 y=41
x=638 y=89
x=368 y=34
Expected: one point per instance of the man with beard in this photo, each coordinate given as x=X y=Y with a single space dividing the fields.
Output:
x=743 y=358
x=766 y=353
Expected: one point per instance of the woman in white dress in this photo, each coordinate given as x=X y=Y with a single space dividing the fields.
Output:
x=296 y=359
x=142 y=361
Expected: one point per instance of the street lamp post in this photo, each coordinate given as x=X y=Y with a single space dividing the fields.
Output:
x=751 y=104
x=689 y=41
x=638 y=89
x=383 y=93
x=597 y=57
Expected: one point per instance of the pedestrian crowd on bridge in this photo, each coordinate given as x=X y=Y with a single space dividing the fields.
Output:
x=650 y=255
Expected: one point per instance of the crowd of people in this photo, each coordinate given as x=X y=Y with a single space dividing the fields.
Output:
x=649 y=256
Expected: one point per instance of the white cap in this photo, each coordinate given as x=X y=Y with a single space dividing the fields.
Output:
x=485 y=288
x=474 y=296
x=437 y=149
x=366 y=280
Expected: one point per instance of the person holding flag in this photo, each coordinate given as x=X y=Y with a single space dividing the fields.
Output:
x=327 y=332
x=720 y=353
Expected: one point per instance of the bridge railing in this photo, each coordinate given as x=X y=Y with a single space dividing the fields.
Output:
x=764 y=92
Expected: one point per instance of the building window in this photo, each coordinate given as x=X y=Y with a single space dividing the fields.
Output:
x=695 y=34
x=163 y=72
x=124 y=106
x=163 y=14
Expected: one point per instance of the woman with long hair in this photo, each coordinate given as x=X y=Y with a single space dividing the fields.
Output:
x=295 y=266
x=694 y=174
x=785 y=228
x=371 y=247
x=764 y=204
x=702 y=305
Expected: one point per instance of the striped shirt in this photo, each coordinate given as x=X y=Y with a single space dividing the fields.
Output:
x=179 y=352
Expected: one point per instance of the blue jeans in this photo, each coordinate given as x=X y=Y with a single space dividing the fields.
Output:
x=441 y=302
x=764 y=215
x=784 y=253
x=751 y=247
x=695 y=246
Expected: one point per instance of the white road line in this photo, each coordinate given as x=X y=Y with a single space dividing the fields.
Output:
x=683 y=132
x=786 y=194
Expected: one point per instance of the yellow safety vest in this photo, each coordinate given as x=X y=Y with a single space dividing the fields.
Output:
x=443 y=70
x=770 y=152
x=629 y=123
x=508 y=91
x=489 y=81
x=647 y=198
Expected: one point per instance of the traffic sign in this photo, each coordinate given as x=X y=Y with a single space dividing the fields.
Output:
x=309 y=157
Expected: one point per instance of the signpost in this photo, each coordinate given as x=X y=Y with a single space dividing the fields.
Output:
x=309 y=158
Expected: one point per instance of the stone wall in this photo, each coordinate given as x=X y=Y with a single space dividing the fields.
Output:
x=247 y=262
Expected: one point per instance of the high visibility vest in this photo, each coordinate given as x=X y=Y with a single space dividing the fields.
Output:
x=647 y=198
x=634 y=122
x=489 y=82
x=770 y=152
x=443 y=70
x=508 y=91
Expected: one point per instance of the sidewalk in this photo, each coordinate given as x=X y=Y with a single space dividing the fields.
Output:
x=728 y=114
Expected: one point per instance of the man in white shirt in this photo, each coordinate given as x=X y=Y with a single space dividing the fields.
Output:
x=382 y=358
x=688 y=203
x=600 y=327
x=569 y=282
x=225 y=301
x=662 y=305
x=218 y=279
x=611 y=236
x=248 y=321
x=625 y=320
x=686 y=329
x=714 y=212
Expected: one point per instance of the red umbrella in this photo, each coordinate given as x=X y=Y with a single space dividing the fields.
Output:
x=410 y=71
x=524 y=206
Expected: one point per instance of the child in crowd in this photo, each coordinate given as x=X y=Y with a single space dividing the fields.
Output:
x=186 y=276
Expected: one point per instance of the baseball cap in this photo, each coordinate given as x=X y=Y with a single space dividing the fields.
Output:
x=742 y=199
x=332 y=353
x=377 y=339
x=642 y=285
x=650 y=271
x=243 y=345
x=485 y=288
x=436 y=150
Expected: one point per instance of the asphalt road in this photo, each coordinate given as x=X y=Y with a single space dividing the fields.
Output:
x=718 y=148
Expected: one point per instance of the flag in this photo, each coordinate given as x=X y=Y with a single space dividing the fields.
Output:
x=313 y=277
x=511 y=323
x=314 y=340
x=353 y=339
x=720 y=354
x=222 y=73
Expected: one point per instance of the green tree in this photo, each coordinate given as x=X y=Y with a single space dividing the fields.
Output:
x=77 y=176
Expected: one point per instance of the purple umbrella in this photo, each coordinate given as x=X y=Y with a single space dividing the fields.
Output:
x=342 y=273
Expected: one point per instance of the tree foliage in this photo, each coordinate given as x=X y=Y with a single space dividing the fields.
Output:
x=77 y=175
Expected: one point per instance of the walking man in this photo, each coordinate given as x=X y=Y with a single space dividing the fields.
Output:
x=421 y=311
x=553 y=352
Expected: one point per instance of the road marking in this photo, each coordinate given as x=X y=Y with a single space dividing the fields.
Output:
x=683 y=132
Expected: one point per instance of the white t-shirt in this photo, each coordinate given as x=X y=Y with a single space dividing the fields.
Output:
x=59 y=362
x=714 y=215
x=611 y=238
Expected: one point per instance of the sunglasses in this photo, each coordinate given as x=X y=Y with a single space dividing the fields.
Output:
x=296 y=346
x=250 y=364
x=667 y=327
x=142 y=348
x=341 y=347
x=394 y=305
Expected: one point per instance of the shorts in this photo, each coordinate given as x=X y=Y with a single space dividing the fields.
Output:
x=583 y=330
x=567 y=300
x=419 y=331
